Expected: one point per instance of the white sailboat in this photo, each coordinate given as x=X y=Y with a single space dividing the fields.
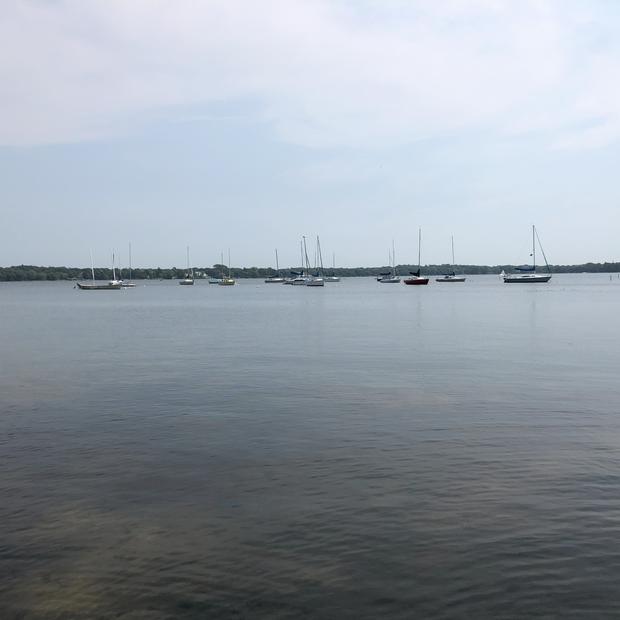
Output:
x=128 y=283
x=527 y=273
x=315 y=278
x=111 y=285
x=215 y=279
x=451 y=277
x=390 y=277
x=188 y=279
x=333 y=277
x=227 y=280
x=299 y=277
x=277 y=278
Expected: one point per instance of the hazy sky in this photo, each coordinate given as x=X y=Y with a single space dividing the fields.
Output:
x=246 y=124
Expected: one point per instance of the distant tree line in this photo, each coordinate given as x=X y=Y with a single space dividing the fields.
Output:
x=20 y=273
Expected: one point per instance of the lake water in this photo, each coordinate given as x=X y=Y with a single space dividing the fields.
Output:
x=267 y=451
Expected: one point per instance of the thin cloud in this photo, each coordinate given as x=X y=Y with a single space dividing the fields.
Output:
x=323 y=74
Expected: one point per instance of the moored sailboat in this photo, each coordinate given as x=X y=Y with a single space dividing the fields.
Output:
x=277 y=278
x=188 y=279
x=390 y=277
x=451 y=277
x=227 y=280
x=527 y=273
x=333 y=277
x=128 y=283
x=316 y=278
x=416 y=278
x=112 y=285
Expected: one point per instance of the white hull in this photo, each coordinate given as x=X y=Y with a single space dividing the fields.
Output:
x=315 y=282
x=389 y=280
x=451 y=279
x=526 y=278
x=332 y=279
x=274 y=280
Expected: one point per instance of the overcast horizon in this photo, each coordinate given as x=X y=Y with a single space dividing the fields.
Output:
x=241 y=125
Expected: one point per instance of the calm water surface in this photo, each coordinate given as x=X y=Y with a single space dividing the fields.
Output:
x=265 y=451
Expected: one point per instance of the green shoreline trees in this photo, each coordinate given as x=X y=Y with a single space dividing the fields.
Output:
x=21 y=273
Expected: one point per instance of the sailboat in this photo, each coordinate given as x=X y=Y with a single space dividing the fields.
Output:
x=390 y=277
x=112 y=285
x=416 y=278
x=316 y=278
x=333 y=277
x=128 y=283
x=227 y=280
x=527 y=272
x=188 y=280
x=299 y=278
x=276 y=279
x=451 y=277
x=215 y=279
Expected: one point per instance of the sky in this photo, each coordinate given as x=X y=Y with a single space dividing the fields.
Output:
x=244 y=125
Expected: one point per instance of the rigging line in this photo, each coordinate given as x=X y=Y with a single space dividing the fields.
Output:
x=542 y=250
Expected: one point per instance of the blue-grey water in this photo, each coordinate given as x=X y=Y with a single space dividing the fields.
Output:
x=266 y=451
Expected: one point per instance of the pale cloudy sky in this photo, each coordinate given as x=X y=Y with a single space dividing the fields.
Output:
x=246 y=124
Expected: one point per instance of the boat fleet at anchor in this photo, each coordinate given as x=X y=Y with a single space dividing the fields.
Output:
x=316 y=275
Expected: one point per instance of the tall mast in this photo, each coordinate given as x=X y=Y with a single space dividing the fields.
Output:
x=306 y=255
x=333 y=260
x=452 y=250
x=318 y=247
x=92 y=265
x=301 y=250
x=229 y=263
x=534 y=246
x=419 y=246
x=113 y=269
x=130 y=261
x=393 y=259
x=277 y=265
x=190 y=272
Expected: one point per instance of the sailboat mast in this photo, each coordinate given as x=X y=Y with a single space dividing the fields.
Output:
x=534 y=246
x=393 y=259
x=130 y=261
x=92 y=265
x=318 y=247
x=277 y=265
x=452 y=237
x=229 y=263
x=113 y=269
x=305 y=255
x=419 y=247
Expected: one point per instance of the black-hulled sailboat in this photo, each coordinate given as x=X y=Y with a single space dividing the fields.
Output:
x=416 y=278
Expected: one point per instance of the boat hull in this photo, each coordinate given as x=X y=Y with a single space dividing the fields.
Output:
x=388 y=280
x=186 y=282
x=416 y=281
x=315 y=282
x=529 y=279
x=274 y=281
x=226 y=282
x=450 y=279
x=112 y=286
